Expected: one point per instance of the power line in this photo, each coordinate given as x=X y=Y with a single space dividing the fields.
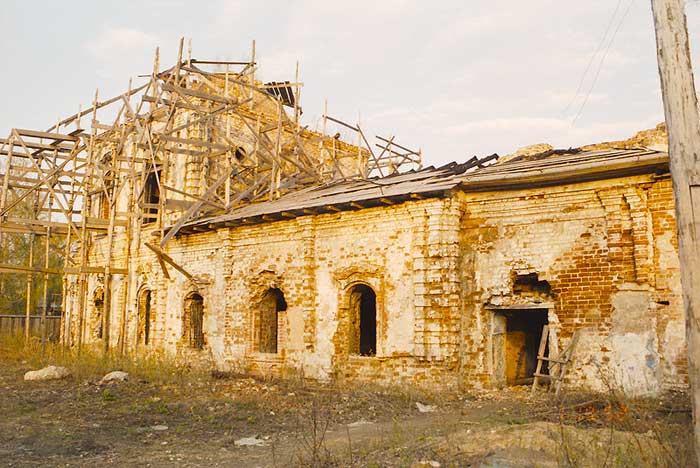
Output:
x=602 y=60
x=590 y=62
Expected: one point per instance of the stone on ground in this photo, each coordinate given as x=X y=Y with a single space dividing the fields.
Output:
x=425 y=408
x=426 y=464
x=47 y=373
x=249 y=442
x=115 y=376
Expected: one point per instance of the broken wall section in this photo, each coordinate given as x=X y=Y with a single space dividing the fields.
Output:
x=607 y=253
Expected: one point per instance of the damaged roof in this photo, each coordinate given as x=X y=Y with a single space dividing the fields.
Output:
x=565 y=166
x=348 y=195
x=549 y=168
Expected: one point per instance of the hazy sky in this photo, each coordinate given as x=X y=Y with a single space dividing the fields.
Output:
x=457 y=78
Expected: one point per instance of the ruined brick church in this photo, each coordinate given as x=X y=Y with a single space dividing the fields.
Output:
x=439 y=276
x=216 y=228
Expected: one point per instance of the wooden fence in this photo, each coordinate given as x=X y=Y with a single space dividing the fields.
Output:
x=14 y=324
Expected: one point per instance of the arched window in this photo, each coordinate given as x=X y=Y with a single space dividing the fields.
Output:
x=194 y=321
x=145 y=317
x=151 y=196
x=98 y=301
x=271 y=304
x=363 y=320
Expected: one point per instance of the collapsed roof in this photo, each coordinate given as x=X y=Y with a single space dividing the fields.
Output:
x=543 y=169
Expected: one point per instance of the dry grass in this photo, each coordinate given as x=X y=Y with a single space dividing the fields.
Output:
x=92 y=364
x=75 y=422
x=612 y=430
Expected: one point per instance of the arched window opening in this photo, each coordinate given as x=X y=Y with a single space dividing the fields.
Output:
x=145 y=317
x=240 y=154
x=363 y=320
x=271 y=305
x=151 y=197
x=98 y=300
x=194 y=321
x=106 y=194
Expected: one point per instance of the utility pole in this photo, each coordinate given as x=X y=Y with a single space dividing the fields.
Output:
x=683 y=126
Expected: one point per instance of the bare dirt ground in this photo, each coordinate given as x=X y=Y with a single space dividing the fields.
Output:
x=195 y=419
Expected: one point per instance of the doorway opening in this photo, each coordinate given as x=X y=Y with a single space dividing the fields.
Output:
x=517 y=338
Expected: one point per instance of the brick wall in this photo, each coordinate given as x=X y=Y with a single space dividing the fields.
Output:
x=607 y=250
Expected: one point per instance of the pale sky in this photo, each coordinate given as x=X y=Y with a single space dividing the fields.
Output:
x=455 y=78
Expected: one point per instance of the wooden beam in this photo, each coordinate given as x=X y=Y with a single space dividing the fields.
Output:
x=95 y=269
x=197 y=94
x=168 y=259
x=220 y=62
x=46 y=135
x=60 y=147
x=7 y=268
x=193 y=209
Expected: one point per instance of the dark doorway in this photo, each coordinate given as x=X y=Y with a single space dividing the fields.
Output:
x=517 y=350
x=363 y=310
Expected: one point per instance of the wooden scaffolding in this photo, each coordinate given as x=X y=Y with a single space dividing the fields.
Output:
x=102 y=173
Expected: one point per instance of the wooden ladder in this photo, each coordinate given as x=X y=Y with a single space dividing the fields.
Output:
x=558 y=365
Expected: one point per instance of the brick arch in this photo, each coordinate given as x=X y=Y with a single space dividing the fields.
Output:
x=193 y=310
x=267 y=297
x=347 y=280
x=145 y=285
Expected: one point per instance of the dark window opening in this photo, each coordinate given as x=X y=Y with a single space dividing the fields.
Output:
x=98 y=298
x=106 y=194
x=531 y=283
x=151 y=197
x=363 y=316
x=521 y=343
x=145 y=317
x=194 y=321
x=239 y=154
x=271 y=305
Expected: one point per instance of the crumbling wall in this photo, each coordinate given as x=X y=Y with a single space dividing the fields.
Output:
x=600 y=257
x=607 y=250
